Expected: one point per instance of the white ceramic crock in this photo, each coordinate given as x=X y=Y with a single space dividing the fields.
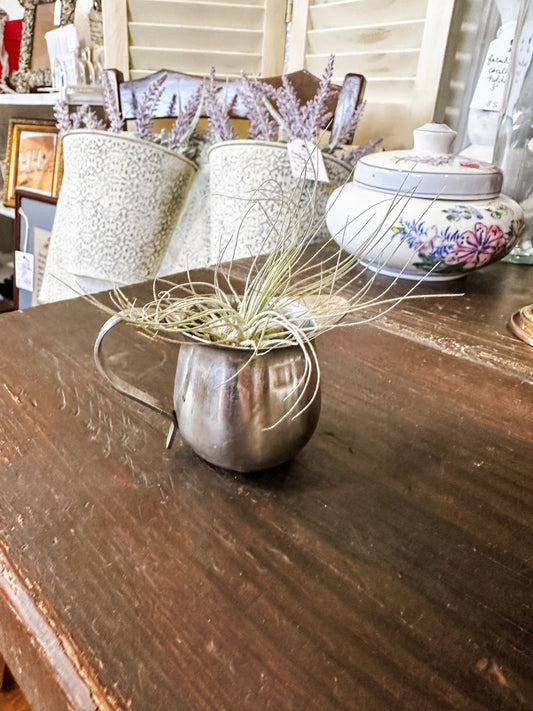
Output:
x=425 y=211
x=119 y=203
x=254 y=195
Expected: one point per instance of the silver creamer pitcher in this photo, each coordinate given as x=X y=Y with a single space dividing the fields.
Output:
x=236 y=411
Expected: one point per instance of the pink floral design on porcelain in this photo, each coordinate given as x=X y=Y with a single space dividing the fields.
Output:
x=478 y=246
x=449 y=248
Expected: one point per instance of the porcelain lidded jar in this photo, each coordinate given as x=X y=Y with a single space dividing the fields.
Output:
x=426 y=211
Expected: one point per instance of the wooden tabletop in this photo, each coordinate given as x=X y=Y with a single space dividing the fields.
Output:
x=389 y=566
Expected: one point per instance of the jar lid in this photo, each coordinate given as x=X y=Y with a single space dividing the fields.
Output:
x=429 y=170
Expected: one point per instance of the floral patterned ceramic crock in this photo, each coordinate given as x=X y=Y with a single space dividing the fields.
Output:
x=425 y=212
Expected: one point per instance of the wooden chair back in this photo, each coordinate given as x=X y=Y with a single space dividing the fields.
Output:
x=179 y=87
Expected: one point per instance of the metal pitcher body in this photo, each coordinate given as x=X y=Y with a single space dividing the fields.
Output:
x=236 y=409
x=245 y=413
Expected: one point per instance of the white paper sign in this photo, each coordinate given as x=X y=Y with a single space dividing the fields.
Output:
x=307 y=161
x=24 y=270
x=57 y=13
x=490 y=88
x=41 y=241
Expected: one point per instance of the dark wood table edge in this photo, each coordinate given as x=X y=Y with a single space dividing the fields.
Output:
x=35 y=647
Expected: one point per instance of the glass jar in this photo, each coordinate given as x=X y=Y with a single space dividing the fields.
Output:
x=513 y=151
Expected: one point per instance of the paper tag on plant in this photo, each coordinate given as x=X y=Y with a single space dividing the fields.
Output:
x=24 y=270
x=307 y=161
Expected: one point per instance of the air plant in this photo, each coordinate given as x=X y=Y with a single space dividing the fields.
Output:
x=288 y=297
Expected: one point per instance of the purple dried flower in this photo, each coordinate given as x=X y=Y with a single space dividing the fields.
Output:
x=349 y=128
x=85 y=117
x=187 y=119
x=262 y=125
x=359 y=151
x=99 y=125
x=304 y=121
x=76 y=123
x=144 y=116
x=62 y=116
x=116 y=123
x=316 y=112
x=290 y=109
x=90 y=119
x=220 y=128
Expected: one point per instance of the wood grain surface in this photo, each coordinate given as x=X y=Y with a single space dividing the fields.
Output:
x=389 y=566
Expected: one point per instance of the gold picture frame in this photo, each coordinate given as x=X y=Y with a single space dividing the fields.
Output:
x=26 y=77
x=33 y=160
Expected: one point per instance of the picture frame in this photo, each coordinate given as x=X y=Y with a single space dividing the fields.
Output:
x=26 y=77
x=33 y=159
x=34 y=218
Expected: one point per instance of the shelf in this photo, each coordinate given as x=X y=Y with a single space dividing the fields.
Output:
x=28 y=99
x=75 y=95
x=7 y=211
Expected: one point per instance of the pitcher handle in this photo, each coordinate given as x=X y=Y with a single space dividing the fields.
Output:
x=126 y=388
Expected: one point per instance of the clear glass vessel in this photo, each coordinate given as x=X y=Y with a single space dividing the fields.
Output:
x=513 y=151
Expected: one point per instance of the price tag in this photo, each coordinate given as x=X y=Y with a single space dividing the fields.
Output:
x=307 y=161
x=24 y=270
x=491 y=83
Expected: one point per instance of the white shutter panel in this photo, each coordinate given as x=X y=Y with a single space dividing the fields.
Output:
x=399 y=45
x=143 y=36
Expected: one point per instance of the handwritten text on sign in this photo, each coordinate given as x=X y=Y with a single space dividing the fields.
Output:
x=490 y=88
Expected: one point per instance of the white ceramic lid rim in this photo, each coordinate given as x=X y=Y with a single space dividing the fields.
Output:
x=450 y=186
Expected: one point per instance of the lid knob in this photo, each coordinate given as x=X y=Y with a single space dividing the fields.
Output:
x=434 y=138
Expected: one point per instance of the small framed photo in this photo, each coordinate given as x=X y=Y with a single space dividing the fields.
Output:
x=33 y=159
x=34 y=218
